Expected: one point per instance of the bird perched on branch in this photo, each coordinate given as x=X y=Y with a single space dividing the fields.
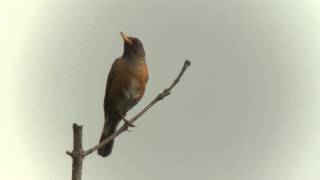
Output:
x=125 y=87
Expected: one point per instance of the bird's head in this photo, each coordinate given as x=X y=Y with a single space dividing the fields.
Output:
x=132 y=47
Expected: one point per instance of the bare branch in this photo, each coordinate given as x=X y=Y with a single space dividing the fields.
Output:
x=125 y=126
x=69 y=153
x=78 y=153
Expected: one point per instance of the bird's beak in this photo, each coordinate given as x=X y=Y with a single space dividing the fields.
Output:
x=125 y=38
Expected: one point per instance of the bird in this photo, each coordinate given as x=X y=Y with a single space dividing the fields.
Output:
x=126 y=84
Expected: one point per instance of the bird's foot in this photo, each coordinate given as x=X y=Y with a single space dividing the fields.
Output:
x=128 y=123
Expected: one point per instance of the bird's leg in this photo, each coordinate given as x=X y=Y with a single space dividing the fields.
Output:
x=127 y=121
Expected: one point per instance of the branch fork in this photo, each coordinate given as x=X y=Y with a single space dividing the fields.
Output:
x=78 y=154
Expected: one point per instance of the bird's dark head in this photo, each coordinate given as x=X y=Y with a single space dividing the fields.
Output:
x=132 y=47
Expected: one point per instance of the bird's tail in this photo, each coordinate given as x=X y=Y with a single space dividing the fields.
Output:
x=109 y=128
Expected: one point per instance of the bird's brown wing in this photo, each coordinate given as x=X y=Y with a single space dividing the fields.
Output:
x=110 y=123
x=110 y=80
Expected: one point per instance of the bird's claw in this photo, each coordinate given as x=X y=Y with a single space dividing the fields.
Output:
x=128 y=123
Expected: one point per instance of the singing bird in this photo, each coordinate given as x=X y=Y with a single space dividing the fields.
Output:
x=125 y=87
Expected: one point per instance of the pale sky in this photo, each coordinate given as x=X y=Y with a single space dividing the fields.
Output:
x=247 y=109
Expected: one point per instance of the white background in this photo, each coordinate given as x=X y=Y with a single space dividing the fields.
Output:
x=247 y=109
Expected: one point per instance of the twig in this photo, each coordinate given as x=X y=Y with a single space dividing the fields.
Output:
x=125 y=126
x=78 y=153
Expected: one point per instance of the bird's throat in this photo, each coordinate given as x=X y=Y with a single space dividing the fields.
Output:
x=134 y=59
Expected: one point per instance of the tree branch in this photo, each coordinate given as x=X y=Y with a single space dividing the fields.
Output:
x=125 y=126
x=78 y=153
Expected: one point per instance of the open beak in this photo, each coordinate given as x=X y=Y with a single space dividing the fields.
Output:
x=125 y=38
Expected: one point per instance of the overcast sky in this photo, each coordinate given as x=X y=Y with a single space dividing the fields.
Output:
x=247 y=109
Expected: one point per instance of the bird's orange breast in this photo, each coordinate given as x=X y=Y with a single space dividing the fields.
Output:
x=129 y=79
